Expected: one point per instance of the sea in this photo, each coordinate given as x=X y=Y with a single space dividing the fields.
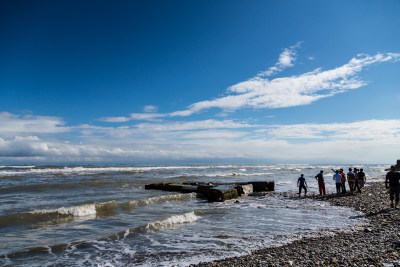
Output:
x=102 y=215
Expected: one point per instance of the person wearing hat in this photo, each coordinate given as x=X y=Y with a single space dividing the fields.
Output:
x=393 y=179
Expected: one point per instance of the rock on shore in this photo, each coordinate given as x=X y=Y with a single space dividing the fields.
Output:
x=375 y=244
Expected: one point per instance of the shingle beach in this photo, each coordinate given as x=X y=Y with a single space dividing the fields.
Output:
x=376 y=243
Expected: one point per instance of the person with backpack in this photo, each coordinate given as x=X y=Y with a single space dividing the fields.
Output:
x=351 y=180
x=321 y=183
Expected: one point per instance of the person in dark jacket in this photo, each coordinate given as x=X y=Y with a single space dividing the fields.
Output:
x=302 y=184
x=321 y=183
x=361 y=178
x=393 y=179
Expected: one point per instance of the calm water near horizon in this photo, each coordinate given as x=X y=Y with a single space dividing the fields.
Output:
x=102 y=215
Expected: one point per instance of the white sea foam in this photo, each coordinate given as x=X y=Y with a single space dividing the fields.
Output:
x=77 y=211
x=147 y=201
x=92 y=209
x=93 y=170
x=17 y=167
x=188 y=217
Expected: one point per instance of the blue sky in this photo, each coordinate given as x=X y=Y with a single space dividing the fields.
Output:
x=273 y=81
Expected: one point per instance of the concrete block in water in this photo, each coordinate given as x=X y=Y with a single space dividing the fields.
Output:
x=166 y=187
x=189 y=188
x=174 y=187
x=221 y=193
x=157 y=186
x=244 y=189
x=263 y=186
x=204 y=189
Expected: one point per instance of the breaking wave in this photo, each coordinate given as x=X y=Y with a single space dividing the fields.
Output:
x=87 y=210
x=169 y=222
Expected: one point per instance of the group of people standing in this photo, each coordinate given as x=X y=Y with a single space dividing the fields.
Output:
x=356 y=179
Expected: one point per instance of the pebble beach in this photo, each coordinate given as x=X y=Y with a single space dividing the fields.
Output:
x=375 y=243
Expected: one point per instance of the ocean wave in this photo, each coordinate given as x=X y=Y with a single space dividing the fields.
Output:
x=12 y=170
x=170 y=222
x=85 y=211
x=40 y=187
x=18 y=167
x=211 y=175
x=188 y=217
x=165 y=198
x=77 y=211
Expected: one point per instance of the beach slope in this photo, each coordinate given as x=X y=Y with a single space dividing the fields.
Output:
x=375 y=244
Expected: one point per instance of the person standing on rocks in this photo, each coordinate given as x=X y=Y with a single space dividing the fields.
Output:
x=361 y=178
x=338 y=180
x=393 y=178
x=351 y=179
x=356 y=184
x=301 y=183
x=341 y=172
x=321 y=183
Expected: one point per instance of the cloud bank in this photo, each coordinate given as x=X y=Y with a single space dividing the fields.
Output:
x=361 y=141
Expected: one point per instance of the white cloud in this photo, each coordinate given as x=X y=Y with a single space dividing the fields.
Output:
x=213 y=135
x=115 y=119
x=150 y=109
x=193 y=125
x=286 y=59
x=366 y=141
x=146 y=116
x=134 y=116
x=292 y=91
x=11 y=124
x=259 y=92
x=382 y=131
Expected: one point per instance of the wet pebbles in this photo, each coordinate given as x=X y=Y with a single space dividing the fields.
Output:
x=377 y=243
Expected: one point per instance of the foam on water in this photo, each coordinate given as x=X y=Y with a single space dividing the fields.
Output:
x=78 y=211
x=175 y=197
x=173 y=220
x=92 y=170
x=85 y=211
x=17 y=167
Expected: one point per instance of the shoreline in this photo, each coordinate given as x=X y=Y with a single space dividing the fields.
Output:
x=377 y=243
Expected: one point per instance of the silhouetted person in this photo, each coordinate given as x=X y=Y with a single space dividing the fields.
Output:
x=361 y=178
x=356 y=183
x=393 y=179
x=351 y=180
x=321 y=183
x=343 y=180
x=301 y=183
